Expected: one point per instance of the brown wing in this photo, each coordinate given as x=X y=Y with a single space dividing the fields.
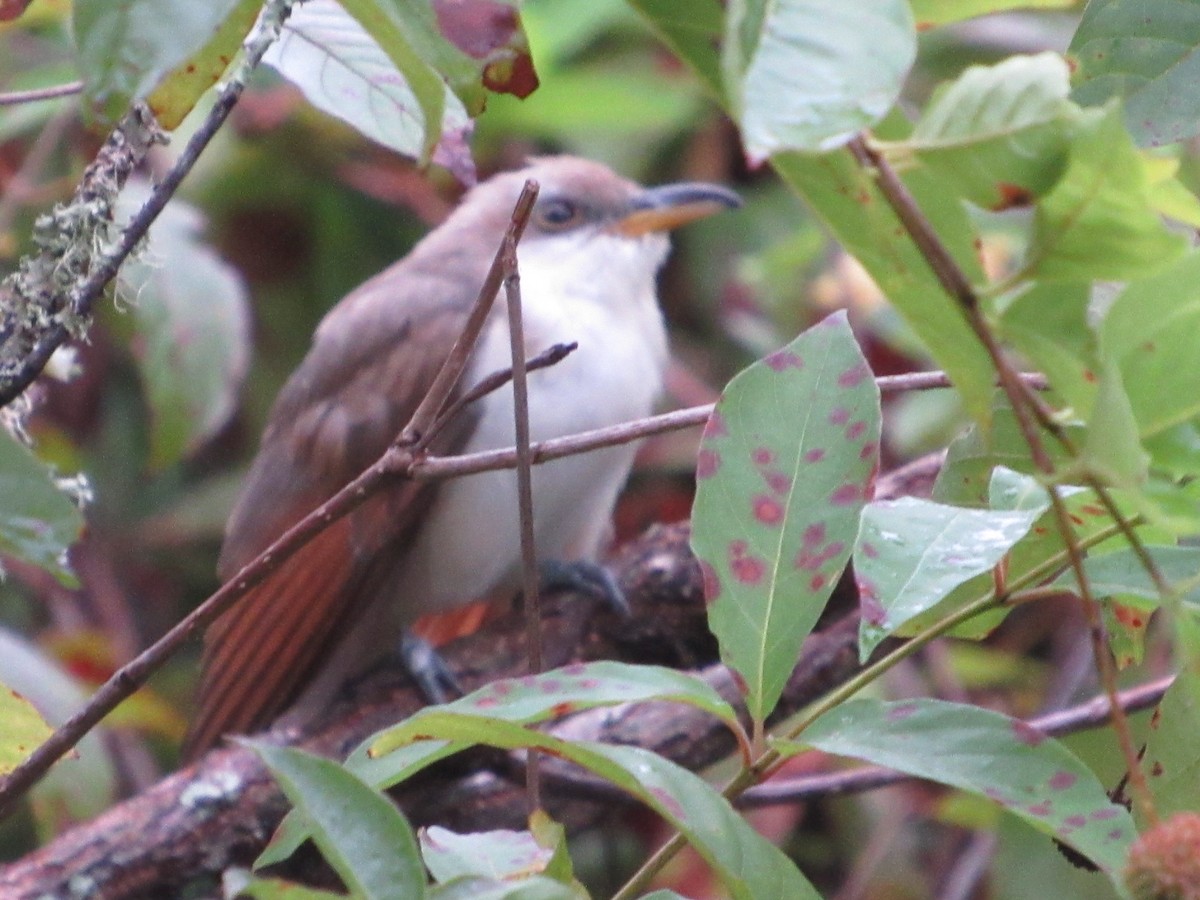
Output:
x=372 y=361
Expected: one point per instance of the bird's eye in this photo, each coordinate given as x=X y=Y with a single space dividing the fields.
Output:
x=558 y=214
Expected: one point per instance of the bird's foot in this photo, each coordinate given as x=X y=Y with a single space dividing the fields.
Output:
x=434 y=679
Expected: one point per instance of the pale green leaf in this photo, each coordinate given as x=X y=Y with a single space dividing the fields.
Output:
x=1098 y=221
x=810 y=74
x=343 y=71
x=38 y=522
x=127 y=48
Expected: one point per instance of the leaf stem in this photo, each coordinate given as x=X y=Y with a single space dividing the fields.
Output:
x=1030 y=413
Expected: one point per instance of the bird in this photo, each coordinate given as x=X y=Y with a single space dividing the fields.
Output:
x=588 y=265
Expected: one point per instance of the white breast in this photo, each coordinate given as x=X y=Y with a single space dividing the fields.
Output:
x=606 y=301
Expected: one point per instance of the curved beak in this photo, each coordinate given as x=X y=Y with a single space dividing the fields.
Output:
x=671 y=205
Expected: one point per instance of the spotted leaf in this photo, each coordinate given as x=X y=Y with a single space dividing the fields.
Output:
x=1030 y=774
x=787 y=462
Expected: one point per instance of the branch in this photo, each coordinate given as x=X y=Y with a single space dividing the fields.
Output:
x=220 y=811
x=395 y=461
x=62 y=283
x=13 y=98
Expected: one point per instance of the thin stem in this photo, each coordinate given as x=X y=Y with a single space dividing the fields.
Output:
x=456 y=362
x=552 y=355
x=1029 y=412
x=529 y=572
x=12 y=98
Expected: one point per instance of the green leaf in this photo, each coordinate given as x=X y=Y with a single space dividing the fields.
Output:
x=344 y=72
x=38 y=522
x=22 y=729
x=693 y=33
x=1048 y=324
x=1040 y=553
x=1172 y=755
x=1112 y=448
x=539 y=698
x=811 y=74
x=179 y=90
x=748 y=865
x=127 y=48
x=494 y=855
x=1145 y=52
x=787 y=461
x=528 y=700
x=983 y=752
x=929 y=13
x=1149 y=332
x=192 y=323
x=999 y=134
x=912 y=553
x=1098 y=222
x=359 y=832
x=850 y=204
x=1120 y=572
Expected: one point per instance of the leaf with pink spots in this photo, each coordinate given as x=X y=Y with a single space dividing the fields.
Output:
x=784 y=468
x=393 y=754
x=748 y=865
x=983 y=752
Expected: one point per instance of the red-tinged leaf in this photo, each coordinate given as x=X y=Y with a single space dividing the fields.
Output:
x=490 y=30
x=786 y=464
x=10 y=9
x=1031 y=775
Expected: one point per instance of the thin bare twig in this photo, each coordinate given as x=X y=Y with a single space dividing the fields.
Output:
x=529 y=572
x=496 y=380
x=104 y=269
x=456 y=362
x=13 y=98
x=434 y=467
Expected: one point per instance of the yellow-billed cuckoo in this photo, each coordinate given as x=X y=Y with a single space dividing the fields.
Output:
x=588 y=263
